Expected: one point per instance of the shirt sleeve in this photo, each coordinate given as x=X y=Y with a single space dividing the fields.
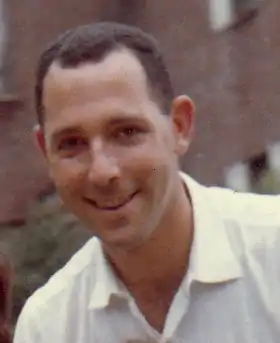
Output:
x=27 y=328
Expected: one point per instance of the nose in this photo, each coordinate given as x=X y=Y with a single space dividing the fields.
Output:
x=104 y=168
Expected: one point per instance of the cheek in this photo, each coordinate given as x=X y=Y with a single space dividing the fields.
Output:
x=152 y=165
x=68 y=176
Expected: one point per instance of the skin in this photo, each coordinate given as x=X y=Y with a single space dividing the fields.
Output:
x=113 y=157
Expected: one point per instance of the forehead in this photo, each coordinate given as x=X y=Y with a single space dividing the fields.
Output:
x=118 y=78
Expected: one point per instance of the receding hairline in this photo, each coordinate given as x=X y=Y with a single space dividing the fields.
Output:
x=58 y=64
x=93 y=42
x=118 y=50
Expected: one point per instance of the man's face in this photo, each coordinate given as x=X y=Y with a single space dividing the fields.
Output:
x=111 y=152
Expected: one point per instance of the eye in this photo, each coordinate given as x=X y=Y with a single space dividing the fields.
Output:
x=71 y=143
x=128 y=133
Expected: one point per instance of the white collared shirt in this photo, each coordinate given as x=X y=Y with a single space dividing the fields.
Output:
x=231 y=293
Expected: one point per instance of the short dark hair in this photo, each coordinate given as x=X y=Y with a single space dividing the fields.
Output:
x=94 y=42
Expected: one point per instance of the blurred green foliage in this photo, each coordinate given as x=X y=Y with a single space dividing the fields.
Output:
x=268 y=183
x=40 y=247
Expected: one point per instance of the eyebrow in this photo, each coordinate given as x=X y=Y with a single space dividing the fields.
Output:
x=64 y=131
x=125 y=119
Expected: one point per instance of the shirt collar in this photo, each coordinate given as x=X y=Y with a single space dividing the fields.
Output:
x=211 y=261
x=107 y=286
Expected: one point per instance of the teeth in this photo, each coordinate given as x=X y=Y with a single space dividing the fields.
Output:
x=108 y=206
x=114 y=206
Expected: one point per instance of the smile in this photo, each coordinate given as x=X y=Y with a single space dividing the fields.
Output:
x=111 y=208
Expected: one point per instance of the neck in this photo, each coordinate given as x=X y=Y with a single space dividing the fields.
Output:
x=165 y=255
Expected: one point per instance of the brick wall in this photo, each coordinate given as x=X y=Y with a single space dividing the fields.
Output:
x=233 y=77
x=32 y=24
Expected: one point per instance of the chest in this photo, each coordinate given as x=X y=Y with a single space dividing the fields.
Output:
x=228 y=313
x=154 y=303
x=154 y=310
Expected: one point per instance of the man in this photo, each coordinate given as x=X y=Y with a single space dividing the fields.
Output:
x=171 y=260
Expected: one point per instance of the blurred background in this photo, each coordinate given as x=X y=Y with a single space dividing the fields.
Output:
x=225 y=54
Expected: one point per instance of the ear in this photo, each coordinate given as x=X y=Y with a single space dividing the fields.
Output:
x=39 y=138
x=182 y=116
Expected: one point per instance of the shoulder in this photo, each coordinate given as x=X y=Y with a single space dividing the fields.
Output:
x=50 y=300
x=252 y=223
x=246 y=209
x=80 y=268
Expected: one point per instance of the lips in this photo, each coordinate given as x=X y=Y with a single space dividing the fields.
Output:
x=111 y=207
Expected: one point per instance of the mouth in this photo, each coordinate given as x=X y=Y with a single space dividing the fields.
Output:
x=111 y=207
